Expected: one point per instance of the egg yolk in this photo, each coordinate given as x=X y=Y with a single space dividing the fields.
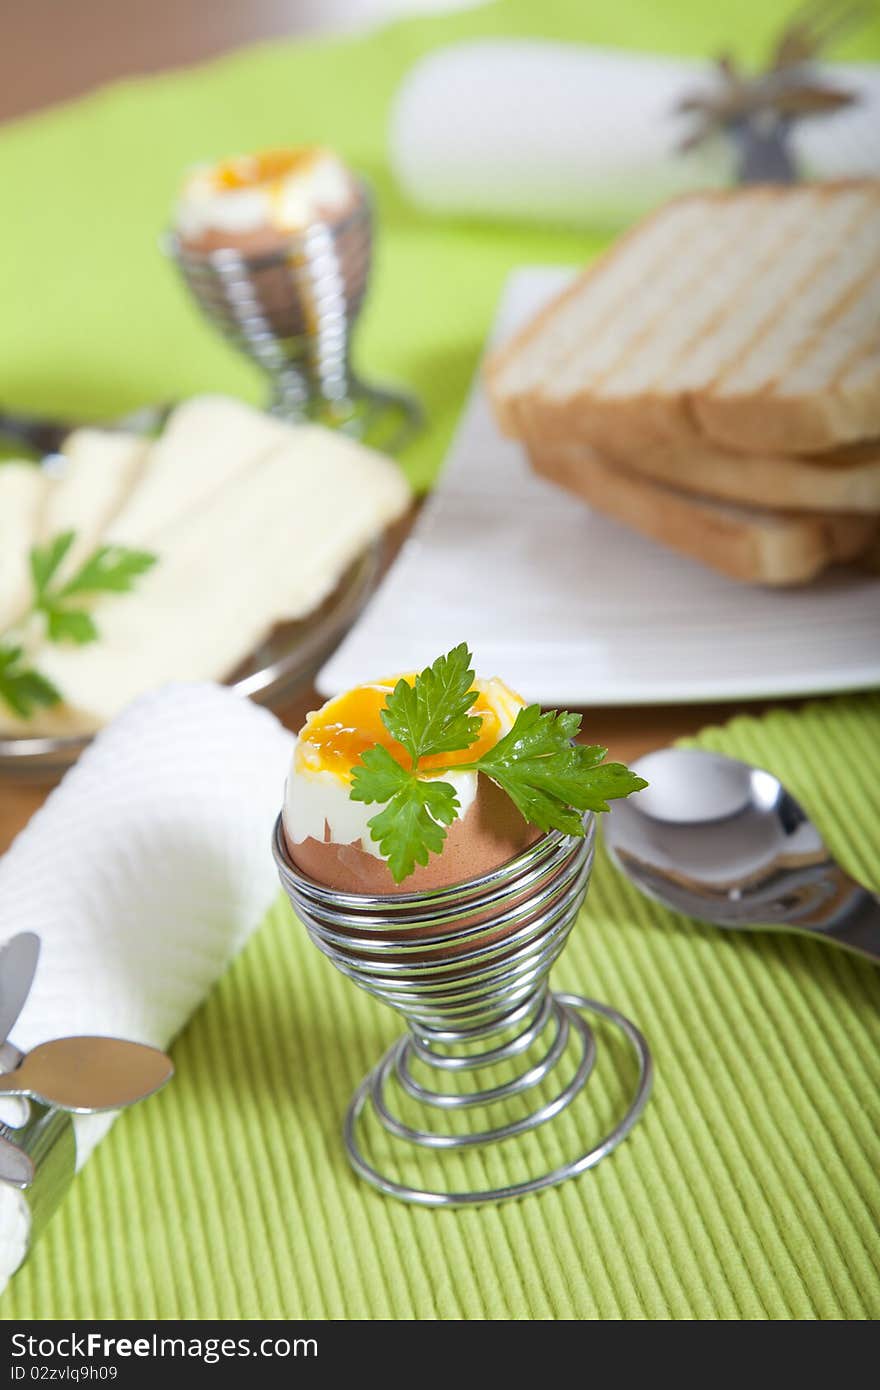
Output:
x=334 y=737
x=267 y=167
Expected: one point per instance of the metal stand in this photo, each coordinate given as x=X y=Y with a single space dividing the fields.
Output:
x=467 y=966
x=292 y=311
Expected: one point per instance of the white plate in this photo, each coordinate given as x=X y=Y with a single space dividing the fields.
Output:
x=572 y=608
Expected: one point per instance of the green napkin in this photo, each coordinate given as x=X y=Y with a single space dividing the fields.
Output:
x=748 y=1190
x=94 y=319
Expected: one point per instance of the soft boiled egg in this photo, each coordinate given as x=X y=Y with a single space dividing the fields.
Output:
x=254 y=203
x=327 y=833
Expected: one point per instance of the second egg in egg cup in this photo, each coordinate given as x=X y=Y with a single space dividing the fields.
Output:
x=276 y=250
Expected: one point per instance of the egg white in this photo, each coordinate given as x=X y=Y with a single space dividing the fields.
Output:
x=291 y=204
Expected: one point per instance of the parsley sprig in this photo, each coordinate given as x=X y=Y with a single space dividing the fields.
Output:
x=62 y=605
x=23 y=689
x=109 y=569
x=551 y=780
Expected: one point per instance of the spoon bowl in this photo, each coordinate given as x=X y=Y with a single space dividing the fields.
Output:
x=88 y=1074
x=725 y=842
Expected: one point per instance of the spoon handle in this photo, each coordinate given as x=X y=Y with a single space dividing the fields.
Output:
x=859 y=931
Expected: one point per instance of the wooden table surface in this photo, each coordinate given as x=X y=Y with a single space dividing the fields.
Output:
x=52 y=50
x=95 y=41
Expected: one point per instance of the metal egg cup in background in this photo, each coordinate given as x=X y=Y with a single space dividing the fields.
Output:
x=292 y=311
x=467 y=967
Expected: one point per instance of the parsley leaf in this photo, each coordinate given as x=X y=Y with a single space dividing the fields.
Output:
x=377 y=776
x=431 y=715
x=411 y=825
x=109 y=569
x=70 y=625
x=45 y=559
x=22 y=688
x=551 y=780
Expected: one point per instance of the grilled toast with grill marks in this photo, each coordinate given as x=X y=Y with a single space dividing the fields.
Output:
x=749 y=320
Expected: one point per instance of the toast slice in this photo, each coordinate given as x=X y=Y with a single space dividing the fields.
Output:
x=845 y=480
x=746 y=543
x=747 y=319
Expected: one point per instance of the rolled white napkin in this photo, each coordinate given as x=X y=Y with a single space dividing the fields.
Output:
x=561 y=133
x=143 y=874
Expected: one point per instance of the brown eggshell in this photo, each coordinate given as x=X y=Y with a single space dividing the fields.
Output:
x=490 y=833
x=492 y=936
x=265 y=240
x=258 y=241
x=281 y=280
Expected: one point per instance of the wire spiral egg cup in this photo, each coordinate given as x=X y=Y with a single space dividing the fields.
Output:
x=291 y=310
x=467 y=967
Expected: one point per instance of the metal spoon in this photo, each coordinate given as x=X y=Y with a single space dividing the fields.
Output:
x=725 y=842
x=88 y=1074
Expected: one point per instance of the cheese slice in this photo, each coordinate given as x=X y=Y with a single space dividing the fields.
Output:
x=267 y=547
x=207 y=441
x=102 y=468
x=23 y=491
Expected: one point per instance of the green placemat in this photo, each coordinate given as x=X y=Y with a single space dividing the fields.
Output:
x=95 y=322
x=748 y=1190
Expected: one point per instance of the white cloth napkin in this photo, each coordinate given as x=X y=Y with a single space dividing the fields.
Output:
x=565 y=133
x=143 y=874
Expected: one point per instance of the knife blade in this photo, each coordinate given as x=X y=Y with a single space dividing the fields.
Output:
x=18 y=964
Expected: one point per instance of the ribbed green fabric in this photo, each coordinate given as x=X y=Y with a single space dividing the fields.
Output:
x=748 y=1190
x=749 y=1187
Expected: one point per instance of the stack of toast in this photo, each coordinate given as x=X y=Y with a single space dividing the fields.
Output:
x=714 y=380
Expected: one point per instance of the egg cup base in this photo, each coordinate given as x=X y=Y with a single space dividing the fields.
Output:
x=381 y=417
x=564 y=1013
